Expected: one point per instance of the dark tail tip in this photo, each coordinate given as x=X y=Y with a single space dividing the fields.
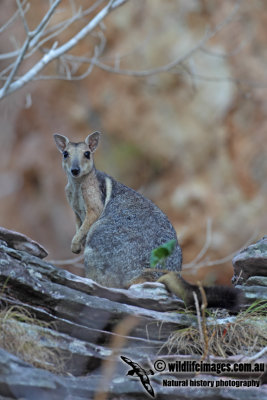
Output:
x=224 y=297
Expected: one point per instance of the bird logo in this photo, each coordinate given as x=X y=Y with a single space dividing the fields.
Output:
x=141 y=373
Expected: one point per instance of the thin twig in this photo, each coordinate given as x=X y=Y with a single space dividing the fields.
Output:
x=219 y=261
x=167 y=67
x=75 y=18
x=118 y=342
x=143 y=73
x=227 y=54
x=30 y=36
x=206 y=246
x=97 y=52
x=204 y=304
x=257 y=355
x=14 y=16
x=16 y=67
x=56 y=53
x=38 y=31
x=26 y=27
x=50 y=56
x=69 y=261
x=198 y=317
x=50 y=32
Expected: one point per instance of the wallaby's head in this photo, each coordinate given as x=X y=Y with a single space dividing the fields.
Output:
x=77 y=157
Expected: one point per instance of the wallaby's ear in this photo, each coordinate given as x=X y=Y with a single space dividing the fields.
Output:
x=92 y=141
x=61 y=142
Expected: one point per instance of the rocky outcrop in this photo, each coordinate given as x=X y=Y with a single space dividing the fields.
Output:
x=18 y=241
x=90 y=327
x=250 y=270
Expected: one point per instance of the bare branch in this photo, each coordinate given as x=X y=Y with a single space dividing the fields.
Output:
x=53 y=54
x=116 y=3
x=164 y=68
x=144 y=73
x=15 y=67
x=50 y=32
x=23 y=17
x=257 y=355
x=14 y=16
x=73 y=6
x=11 y=54
x=70 y=69
x=70 y=64
x=206 y=245
x=69 y=261
x=39 y=30
x=204 y=304
x=30 y=36
x=227 y=54
x=198 y=317
x=76 y=17
x=220 y=261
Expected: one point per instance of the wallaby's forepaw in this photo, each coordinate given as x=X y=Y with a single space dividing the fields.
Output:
x=75 y=246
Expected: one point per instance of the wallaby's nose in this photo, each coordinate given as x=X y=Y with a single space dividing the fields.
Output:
x=75 y=171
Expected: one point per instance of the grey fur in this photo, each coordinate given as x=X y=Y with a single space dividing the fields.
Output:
x=119 y=243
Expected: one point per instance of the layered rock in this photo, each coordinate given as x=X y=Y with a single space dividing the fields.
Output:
x=90 y=327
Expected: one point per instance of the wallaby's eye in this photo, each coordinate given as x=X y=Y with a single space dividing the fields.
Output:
x=87 y=154
x=65 y=154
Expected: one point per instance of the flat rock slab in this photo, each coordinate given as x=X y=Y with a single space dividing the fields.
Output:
x=22 y=242
x=252 y=261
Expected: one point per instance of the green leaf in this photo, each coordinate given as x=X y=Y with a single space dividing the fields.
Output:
x=160 y=254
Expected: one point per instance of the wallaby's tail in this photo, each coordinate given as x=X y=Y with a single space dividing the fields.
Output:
x=217 y=296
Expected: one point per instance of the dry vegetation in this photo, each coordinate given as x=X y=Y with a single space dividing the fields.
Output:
x=245 y=334
x=19 y=334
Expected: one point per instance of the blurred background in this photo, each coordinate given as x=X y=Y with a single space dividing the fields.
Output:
x=192 y=139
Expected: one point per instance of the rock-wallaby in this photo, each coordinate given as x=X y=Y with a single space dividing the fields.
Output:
x=119 y=228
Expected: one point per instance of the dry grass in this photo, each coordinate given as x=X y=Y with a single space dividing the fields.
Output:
x=246 y=334
x=23 y=336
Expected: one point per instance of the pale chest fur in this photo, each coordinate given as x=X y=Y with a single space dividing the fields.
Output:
x=76 y=200
x=85 y=197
